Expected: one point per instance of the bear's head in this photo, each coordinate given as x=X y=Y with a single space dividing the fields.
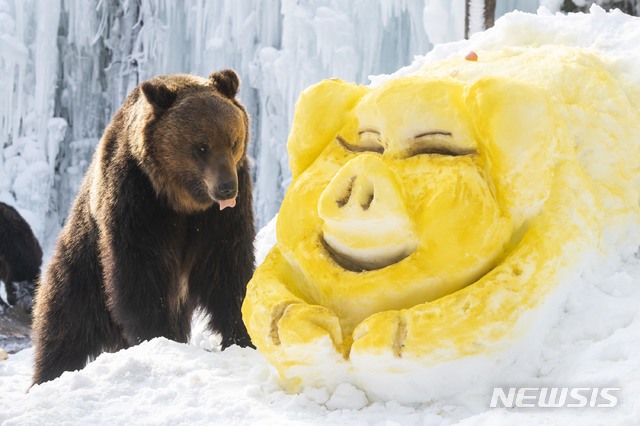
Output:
x=194 y=138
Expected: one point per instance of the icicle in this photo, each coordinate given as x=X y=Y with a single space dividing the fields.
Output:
x=476 y=16
x=13 y=63
x=46 y=66
x=199 y=15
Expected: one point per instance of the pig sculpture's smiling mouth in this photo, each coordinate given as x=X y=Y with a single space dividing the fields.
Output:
x=373 y=259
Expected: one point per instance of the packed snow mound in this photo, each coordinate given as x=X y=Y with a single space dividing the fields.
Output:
x=436 y=220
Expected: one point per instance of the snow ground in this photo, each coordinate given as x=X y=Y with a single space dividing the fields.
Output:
x=595 y=342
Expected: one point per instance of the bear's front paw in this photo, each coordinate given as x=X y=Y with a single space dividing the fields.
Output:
x=302 y=324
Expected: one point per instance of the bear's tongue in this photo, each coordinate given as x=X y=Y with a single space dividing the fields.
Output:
x=227 y=203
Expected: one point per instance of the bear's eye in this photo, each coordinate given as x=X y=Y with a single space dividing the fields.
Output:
x=202 y=148
x=436 y=142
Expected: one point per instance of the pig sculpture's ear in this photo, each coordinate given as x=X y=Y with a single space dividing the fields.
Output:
x=320 y=113
x=518 y=136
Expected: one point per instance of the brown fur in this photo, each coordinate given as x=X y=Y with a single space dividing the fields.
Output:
x=20 y=257
x=146 y=242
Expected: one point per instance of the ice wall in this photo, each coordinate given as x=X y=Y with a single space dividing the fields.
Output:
x=29 y=135
x=77 y=59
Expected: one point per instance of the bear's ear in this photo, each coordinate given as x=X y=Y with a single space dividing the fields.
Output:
x=158 y=94
x=226 y=81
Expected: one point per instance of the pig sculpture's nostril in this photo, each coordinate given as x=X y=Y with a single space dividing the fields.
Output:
x=368 y=200
x=360 y=188
x=346 y=195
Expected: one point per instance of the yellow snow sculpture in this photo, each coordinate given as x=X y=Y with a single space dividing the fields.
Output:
x=429 y=216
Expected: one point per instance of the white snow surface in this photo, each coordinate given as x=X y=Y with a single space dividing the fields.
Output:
x=595 y=340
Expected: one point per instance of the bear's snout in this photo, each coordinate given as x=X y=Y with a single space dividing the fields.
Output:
x=227 y=190
x=226 y=193
x=222 y=186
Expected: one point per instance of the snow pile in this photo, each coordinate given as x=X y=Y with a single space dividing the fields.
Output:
x=595 y=341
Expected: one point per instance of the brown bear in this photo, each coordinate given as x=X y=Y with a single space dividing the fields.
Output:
x=20 y=257
x=149 y=237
